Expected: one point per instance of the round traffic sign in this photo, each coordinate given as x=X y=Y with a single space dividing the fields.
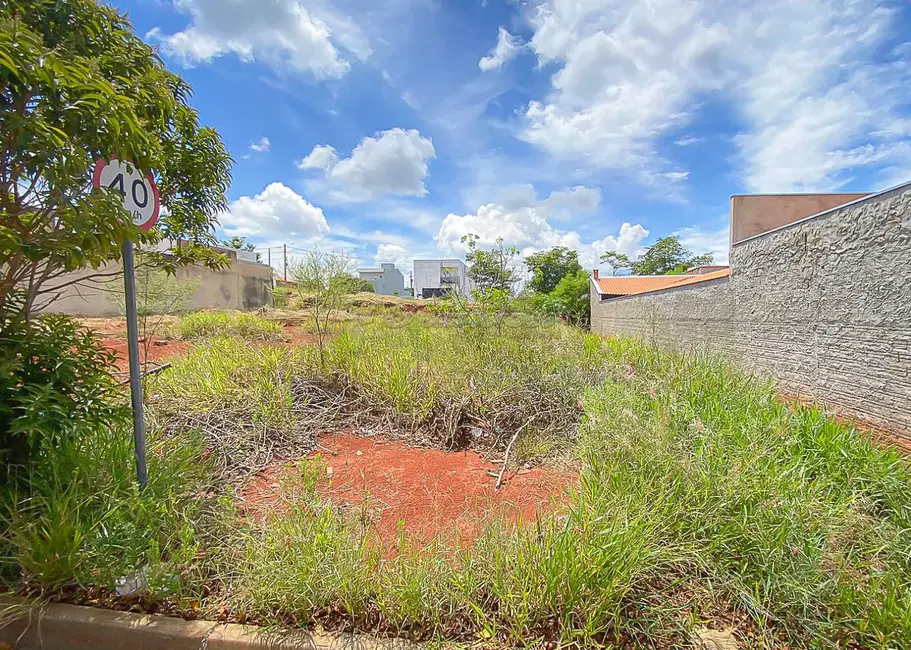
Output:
x=139 y=191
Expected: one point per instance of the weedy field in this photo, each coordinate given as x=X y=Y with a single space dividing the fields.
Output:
x=699 y=500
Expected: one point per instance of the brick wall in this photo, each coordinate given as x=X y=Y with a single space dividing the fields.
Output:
x=823 y=306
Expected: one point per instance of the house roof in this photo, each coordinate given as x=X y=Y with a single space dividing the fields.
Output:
x=630 y=285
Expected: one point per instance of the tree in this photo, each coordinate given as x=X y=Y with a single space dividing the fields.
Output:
x=491 y=269
x=551 y=266
x=569 y=298
x=77 y=84
x=240 y=244
x=316 y=278
x=158 y=295
x=667 y=256
x=616 y=260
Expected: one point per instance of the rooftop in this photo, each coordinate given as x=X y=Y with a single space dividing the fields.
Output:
x=630 y=285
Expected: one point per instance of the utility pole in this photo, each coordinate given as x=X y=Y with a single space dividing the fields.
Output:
x=285 y=249
x=269 y=255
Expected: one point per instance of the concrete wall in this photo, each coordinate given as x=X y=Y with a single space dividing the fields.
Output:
x=387 y=282
x=759 y=213
x=427 y=275
x=823 y=306
x=243 y=285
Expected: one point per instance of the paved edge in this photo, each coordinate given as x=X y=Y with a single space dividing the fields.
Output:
x=27 y=625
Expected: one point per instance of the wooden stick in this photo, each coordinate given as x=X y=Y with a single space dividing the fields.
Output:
x=153 y=371
x=506 y=456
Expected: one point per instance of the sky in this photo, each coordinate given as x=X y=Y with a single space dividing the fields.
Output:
x=392 y=128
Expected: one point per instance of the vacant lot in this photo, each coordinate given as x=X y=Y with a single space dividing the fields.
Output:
x=647 y=496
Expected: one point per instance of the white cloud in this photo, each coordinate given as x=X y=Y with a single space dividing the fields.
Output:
x=391 y=162
x=687 y=141
x=280 y=33
x=322 y=157
x=798 y=73
x=893 y=176
x=396 y=254
x=261 y=146
x=507 y=47
x=410 y=100
x=276 y=211
x=527 y=228
x=699 y=240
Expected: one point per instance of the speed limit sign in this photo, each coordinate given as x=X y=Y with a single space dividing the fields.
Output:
x=139 y=192
x=140 y=198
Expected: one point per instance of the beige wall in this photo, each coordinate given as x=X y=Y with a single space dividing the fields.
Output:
x=243 y=286
x=752 y=215
x=823 y=307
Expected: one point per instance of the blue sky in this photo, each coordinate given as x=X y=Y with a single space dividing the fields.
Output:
x=392 y=128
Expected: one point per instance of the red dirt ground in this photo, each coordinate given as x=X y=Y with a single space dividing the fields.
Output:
x=430 y=491
x=161 y=350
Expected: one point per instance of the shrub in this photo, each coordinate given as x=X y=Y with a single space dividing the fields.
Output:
x=54 y=386
x=204 y=324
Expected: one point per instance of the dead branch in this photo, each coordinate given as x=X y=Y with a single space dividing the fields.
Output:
x=509 y=449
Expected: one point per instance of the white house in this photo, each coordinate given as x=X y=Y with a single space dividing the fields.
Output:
x=386 y=280
x=434 y=278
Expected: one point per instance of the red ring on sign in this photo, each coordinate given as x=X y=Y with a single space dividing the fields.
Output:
x=101 y=163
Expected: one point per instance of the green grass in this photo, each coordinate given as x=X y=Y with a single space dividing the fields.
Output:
x=702 y=499
x=205 y=324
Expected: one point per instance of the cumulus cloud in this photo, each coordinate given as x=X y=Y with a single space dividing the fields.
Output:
x=276 y=211
x=395 y=254
x=527 y=228
x=281 y=33
x=322 y=157
x=261 y=146
x=800 y=74
x=507 y=47
x=392 y=162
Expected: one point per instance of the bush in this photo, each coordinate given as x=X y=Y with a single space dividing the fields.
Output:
x=55 y=384
x=203 y=324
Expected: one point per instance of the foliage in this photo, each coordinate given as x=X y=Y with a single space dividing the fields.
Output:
x=282 y=297
x=84 y=520
x=617 y=260
x=348 y=284
x=550 y=266
x=667 y=256
x=250 y=327
x=491 y=269
x=241 y=244
x=316 y=276
x=570 y=299
x=54 y=385
x=77 y=84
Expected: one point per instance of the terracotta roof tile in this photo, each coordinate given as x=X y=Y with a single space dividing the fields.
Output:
x=630 y=285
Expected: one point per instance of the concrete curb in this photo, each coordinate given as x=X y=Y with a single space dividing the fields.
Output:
x=27 y=626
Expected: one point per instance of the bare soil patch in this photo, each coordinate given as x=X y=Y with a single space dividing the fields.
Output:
x=160 y=350
x=431 y=492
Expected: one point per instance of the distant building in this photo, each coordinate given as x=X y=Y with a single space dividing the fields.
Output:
x=434 y=278
x=386 y=280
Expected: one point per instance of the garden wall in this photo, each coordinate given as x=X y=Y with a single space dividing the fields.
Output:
x=821 y=305
x=244 y=286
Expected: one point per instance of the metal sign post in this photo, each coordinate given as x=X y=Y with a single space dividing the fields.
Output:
x=141 y=199
x=139 y=426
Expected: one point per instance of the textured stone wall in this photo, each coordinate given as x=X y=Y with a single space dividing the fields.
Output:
x=823 y=306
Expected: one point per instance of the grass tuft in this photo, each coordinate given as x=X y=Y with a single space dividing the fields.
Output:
x=206 y=324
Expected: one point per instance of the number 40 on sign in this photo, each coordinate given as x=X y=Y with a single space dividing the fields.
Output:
x=139 y=192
